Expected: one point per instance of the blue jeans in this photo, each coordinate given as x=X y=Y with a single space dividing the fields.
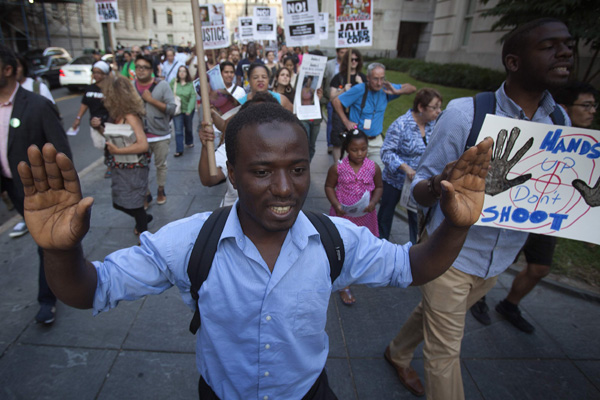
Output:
x=182 y=122
x=312 y=130
x=385 y=216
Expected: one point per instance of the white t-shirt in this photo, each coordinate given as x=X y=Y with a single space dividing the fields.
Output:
x=44 y=91
x=231 y=194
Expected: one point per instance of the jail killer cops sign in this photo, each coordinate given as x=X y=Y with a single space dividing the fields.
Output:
x=542 y=179
x=353 y=23
x=107 y=11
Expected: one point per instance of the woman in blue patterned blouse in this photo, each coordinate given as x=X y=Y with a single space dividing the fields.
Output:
x=405 y=142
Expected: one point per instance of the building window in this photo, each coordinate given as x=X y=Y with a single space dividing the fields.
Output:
x=170 y=38
x=154 y=16
x=468 y=22
x=169 y=16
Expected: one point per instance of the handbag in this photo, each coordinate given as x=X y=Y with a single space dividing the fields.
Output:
x=177 y=101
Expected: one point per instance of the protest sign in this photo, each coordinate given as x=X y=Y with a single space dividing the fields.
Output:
x=323 y=26
x=265 y=23
x=215 y=34
x=406 y=200
x=246 y=29
x=107 y=11
x=301 y=19
x=353 y=23
x=549 y=167
x=310 y=76
x=219 y=98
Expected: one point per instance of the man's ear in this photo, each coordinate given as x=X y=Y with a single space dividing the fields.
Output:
x=512 y=62
x=231 y=174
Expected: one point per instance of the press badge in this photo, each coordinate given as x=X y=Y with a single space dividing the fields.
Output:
x=367 y=124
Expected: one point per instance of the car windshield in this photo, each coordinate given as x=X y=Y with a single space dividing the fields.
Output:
x=83 y=60
x=39 y=62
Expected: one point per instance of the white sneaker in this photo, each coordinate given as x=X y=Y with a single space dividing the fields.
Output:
x=19 y=230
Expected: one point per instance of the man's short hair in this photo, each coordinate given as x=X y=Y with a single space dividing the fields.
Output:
x=255 y=115
x=144 y=57
x=168 y=49
x=225 y=64
x=568 y=94
x=373 y=66
x=7 y=56
x=515 y=40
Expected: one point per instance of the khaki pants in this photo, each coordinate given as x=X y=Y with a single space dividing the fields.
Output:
x=439 y=320
x=160 y=151
x=374 y=152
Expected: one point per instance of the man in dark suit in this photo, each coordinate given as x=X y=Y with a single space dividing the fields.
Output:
x=26 y=118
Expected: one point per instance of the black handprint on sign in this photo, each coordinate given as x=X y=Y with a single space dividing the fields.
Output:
x=497 y=178
x=590 y=195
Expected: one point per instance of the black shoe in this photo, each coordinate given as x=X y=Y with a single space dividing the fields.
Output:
x=480 y=311
x=514 y=316
x=46 y=314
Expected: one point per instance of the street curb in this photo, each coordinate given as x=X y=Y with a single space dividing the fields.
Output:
x=551 y=281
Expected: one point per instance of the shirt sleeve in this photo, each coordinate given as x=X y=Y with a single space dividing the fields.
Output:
x=371 y=261
x=351 y=96
x=393 y=138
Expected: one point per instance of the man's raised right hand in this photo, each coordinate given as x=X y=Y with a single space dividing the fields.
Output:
x=56 y=215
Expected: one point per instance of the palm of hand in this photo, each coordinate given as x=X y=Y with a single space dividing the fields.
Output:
x=51 y=218
x=497 y=179
x=462 y=201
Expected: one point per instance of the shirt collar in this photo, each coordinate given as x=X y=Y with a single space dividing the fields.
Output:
x=11 y=100
x=299 y=232
x=512 y=109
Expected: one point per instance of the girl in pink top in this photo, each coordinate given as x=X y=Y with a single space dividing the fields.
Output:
x=346 y=183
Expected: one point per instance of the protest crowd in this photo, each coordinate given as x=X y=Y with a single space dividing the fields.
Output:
x=269 y=101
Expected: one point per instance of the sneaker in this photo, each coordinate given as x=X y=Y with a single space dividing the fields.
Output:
x=513 y=315
x=46 y=314
x=480 y=312
x=19 y=230
x=161 y=197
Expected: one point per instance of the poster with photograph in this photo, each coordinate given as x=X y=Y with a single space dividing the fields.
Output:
x=107 y=11
x=323 y=26
x=406 y=200
x=265 y=23
x=225 y=104
x=310 y=76
x=543 y=179
x=301 y=19
x=353 y=23
x=246 y=29
x=215 y=34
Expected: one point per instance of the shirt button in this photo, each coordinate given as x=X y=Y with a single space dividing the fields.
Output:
x=268 y=318
x=267 y=373
x=267 y=346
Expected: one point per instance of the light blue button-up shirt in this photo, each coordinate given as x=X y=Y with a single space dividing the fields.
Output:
x=487 y=251
x=263 y=334
x=403 y=144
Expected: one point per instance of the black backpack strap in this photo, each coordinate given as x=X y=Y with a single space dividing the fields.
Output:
x=483 y=103
x=364 y=98
x=331 y=240
x=202 y=256
x=558 y=118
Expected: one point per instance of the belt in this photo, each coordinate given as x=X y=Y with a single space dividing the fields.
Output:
x=373 y=137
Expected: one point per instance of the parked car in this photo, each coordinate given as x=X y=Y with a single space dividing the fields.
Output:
x=78 y=73
x=47 y=69
x=48 y=51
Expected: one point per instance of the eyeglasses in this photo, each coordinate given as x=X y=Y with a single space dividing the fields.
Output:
x=354 y=59
x=434 y=108
x=587 y=106
x=142 y=67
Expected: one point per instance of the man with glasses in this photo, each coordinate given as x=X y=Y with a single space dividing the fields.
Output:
x=160 y=108
x=367 y=103
x=579 y=100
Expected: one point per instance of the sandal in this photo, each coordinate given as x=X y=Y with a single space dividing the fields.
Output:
x=107 y=174
x=347 y=296
x=189 y=146
x=178 y=154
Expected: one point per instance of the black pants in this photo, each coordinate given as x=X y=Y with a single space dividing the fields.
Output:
x=45 y=295
x=320 y=390
x=141 y=218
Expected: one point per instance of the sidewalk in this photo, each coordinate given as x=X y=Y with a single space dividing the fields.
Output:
x=143 y=350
